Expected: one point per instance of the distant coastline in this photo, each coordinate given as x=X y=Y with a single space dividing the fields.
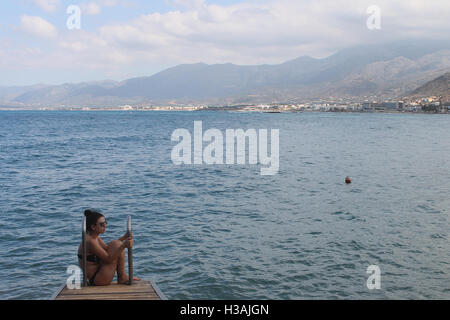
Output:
x=221 y=110
x=423 y=105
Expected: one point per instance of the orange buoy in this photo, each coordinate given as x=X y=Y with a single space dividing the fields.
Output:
x=348 y=180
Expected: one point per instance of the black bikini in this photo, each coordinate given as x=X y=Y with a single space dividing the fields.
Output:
x=90 y=258
x=95 y=259
x=91 y=280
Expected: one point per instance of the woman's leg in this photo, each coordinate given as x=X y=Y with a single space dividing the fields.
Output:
x=122 y=277
x=106 y=273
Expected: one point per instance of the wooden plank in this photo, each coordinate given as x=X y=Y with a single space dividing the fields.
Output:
x=113 y=297
x=88 y=292
x=114 y=286
x=140 y=290
x=158 y=291
x=137 y=287
x=57 y=293
x=121 y=296
x=80 y=293
x=77 y=296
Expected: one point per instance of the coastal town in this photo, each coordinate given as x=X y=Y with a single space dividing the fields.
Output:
x=433 y=104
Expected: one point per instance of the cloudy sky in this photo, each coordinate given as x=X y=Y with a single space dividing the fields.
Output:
x=120 y=39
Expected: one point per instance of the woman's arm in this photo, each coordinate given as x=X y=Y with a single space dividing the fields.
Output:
x=97 y=249
x=126 y=236
x=102 y=243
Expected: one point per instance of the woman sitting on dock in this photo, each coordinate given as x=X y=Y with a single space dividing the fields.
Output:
x=103 y=260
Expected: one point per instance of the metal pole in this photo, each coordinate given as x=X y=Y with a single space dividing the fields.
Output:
x=84 y=249
x=130 y=254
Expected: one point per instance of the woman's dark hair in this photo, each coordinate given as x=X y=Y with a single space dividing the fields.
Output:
x=91 y=218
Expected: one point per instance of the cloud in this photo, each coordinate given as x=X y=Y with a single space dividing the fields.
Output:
x=245 y=33
x=271 y=31
x=38 y=26
x=95 y=7
x=91 y=8
x=256 y=32
x=47 y=5
x=189 y=4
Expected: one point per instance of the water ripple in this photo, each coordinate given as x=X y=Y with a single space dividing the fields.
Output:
x=226 y=232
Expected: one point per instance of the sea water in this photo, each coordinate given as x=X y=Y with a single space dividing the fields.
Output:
x=226 y=231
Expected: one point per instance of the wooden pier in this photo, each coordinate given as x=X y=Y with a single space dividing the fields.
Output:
x=139 y=290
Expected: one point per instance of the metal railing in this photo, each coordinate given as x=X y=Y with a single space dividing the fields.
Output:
x=84 y=250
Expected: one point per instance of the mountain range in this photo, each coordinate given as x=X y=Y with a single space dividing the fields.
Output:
x=364 y=72
x=439 y=87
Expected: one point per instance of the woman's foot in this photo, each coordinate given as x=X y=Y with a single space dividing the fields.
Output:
x=124 y=279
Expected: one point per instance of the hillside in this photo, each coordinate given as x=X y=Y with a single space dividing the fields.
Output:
x=437 y=87
x=383 y=71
